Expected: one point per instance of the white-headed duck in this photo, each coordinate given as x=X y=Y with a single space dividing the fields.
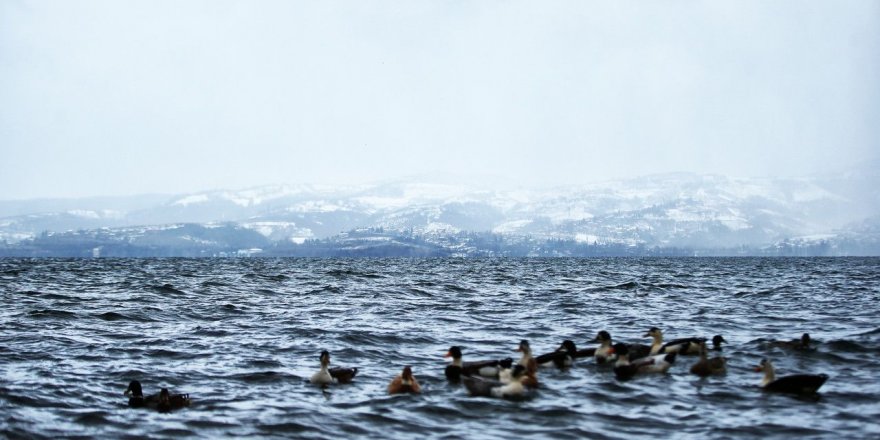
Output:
x=680 y=346
x=529 y=363
x=327 y=375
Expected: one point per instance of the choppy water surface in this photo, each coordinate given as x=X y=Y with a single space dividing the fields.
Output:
x=243 y=337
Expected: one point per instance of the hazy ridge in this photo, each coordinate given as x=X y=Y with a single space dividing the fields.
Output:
x=687 y=213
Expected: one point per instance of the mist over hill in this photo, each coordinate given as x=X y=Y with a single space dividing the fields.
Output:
x=681 y=214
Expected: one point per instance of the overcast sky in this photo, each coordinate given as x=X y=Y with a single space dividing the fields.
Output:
x=125 y=97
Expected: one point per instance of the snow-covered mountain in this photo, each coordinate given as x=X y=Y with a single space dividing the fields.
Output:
x=670 y=210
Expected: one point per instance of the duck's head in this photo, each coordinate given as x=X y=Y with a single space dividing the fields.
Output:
x=717 y=340
x=454 y=352
x=505 y=363
x=407 y=375
x=764 y=366
x=134 y=389
x=805 y=340
x=325 y=357
x=653 y=332
x=568 y=346
x=524 y=347
x=603 y=336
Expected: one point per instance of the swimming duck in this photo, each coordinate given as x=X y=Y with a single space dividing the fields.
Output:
x=716 y=342
x=529 y=363
x=164 y=401
x=327 y=375
x=803 y=384
x=561 y=358
x=168 y=402
x=457 y=368
x=603 y=352
x=802 y=344
x=490 y=388
x=405 y=382
x=705 y=366
x=681 y=346
x=625 y=369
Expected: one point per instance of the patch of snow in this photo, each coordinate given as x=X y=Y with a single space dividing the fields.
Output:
x=442 y=228
x=191 y=200
x=316 y=206
x=511 y=226
x=84 y=213
x=586 y=238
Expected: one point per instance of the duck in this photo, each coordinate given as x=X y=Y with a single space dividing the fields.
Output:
x=604 y=352
x=164 y=401
x=802 y=344
x=707 y=367
x=478 y=386
x=563 y=357
x=529 y=363
x=625 y=369
x=716 y=342
x=168 y=402
x=681 y=346
x=404 y=382
x=803 y=384
x=327 y=375
x=458 y=368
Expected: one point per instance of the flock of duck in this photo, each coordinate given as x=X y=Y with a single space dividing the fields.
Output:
x=506 y=379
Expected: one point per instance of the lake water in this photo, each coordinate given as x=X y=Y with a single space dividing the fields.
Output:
x=242 y=336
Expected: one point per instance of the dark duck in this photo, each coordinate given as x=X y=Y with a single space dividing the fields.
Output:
x=802 y=344
x=802 y=384
x=163 y=402
x=708 y=367
x=563 y=357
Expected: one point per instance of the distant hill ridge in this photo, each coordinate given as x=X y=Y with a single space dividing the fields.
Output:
x=666 y=211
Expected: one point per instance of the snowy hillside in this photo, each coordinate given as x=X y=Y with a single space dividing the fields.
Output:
x=671 y=210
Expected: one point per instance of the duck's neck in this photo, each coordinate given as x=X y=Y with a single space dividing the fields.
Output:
x=456 y=362
x=622 y=360
x=324 y=366
x=657 y=344
x=769 y=375
x=526 y=356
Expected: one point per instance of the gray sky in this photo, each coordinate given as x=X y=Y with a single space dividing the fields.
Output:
x=124 y=97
